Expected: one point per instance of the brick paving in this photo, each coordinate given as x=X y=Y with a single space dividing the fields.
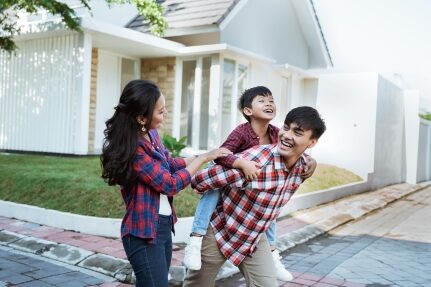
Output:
x=292 y=230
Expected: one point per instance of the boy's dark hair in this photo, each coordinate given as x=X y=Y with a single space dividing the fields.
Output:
x=307 y=118
x=248 y=96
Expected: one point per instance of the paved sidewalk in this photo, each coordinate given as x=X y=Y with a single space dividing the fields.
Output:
x=106 y=255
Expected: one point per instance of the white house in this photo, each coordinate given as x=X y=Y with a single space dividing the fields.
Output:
x=61 y=87
x=57 y=93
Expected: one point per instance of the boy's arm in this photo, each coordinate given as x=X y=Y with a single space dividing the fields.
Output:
x=234 y=142
x=311 y=166
x=237 y=143
x=217 y=176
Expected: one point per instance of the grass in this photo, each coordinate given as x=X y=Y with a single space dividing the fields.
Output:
x=73 y=184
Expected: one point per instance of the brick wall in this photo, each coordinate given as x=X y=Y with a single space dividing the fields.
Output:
x=162 y=72
x=93 y=93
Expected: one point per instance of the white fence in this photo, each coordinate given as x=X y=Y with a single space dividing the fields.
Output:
x=424 y=151
x=40 y=89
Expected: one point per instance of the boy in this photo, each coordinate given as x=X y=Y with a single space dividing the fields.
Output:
x=247 y=208
x=258 y=107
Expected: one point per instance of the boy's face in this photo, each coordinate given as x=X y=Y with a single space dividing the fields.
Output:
x=262 y=108
x=293 y=140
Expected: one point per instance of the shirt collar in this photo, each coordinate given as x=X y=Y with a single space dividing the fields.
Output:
x=279 y=162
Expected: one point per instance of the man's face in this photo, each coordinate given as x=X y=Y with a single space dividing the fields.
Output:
x=293 y=140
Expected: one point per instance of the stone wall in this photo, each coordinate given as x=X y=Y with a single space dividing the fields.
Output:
x=162 y=72
x=93 y=94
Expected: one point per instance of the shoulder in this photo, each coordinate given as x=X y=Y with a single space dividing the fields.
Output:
x=242 y=128
x=260 y=153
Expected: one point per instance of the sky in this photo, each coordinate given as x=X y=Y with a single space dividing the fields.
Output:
x=386 y=36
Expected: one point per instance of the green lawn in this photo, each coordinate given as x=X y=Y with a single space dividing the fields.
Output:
x=73 y=184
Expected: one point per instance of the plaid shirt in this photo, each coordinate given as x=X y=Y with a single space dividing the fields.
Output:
x=247 y=208
x=241 y=138
x=158 y=173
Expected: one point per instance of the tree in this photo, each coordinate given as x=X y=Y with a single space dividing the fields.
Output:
x=151 y=10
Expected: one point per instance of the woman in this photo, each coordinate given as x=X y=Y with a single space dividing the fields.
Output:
x=134 y=157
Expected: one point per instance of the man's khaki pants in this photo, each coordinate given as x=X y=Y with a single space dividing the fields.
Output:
x=258 y=270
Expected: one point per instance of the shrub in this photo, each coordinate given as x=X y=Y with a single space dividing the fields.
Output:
x=426 y=116
x=173 y=145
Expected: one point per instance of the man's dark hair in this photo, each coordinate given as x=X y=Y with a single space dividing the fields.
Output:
x=306 y=118
x=248 y=96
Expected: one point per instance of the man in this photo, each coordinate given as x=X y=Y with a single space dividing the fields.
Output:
x=246 y=208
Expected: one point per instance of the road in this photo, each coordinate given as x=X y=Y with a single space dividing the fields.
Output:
x=390 y=247
x=26 y=270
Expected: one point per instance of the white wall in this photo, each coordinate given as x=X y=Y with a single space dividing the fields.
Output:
x=41 y=96
x=411 y=110
x=263 y=74
x=269 y=30
x=390 y=157
x=347 y=103
x=424 y=152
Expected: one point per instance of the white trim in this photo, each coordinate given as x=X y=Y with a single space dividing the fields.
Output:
x=197 y=98
x=191 y=31
x=176 y=123
x=91 y=25
x=231 y=14
x=83 y=102
x=287 y=70
x=121 y=55
x=233 y=110
x=214 y=100
x=220 y=48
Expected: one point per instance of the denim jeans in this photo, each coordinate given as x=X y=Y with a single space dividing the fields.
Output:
x=205 y=209
x=151 y=262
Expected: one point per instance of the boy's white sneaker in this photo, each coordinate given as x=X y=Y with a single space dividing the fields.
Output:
x=192 y=255
x=282 y=273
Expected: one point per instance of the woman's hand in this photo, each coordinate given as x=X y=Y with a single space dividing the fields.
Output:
x=215 y=153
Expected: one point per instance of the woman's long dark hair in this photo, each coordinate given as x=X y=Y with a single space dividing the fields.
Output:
x=122 y=131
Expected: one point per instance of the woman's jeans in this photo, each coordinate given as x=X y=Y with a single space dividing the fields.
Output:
x=151 y=262
x=205 y=209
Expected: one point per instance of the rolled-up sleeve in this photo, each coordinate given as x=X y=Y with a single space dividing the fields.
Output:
x=151 y=172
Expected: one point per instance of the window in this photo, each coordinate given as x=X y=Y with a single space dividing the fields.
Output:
x=209 y=91
x=235 y=81
x=194 y=119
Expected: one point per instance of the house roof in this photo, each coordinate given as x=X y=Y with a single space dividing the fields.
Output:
x=181 y=14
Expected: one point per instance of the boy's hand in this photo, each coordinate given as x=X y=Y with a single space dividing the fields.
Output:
x=250 y=169
x=311 y=167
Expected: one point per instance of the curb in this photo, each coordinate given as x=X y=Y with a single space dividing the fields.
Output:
x=320 y=219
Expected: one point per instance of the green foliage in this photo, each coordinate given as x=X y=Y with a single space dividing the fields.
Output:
x=152 y=12
x=150 y=9
x=9 y=17
x=173 y=145
x=426 y=116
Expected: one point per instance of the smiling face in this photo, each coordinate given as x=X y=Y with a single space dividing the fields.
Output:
x=262 y=108
x=159 y=113
x=293 y=141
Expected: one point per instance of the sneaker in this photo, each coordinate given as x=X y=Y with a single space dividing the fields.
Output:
x=192 y=255
x=282 y=273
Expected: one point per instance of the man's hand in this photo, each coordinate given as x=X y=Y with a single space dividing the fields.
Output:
x=250 y=169
x=311 y=167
